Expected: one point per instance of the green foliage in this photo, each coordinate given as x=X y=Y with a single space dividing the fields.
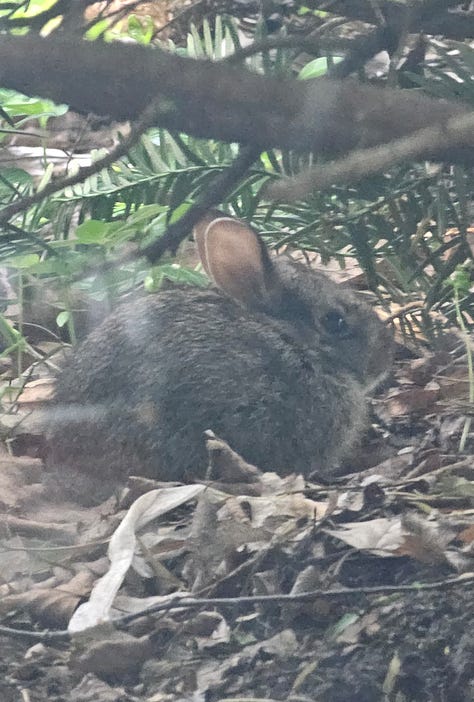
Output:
x=24 y=108
x=394 y=225
x=140 y=29
x=318 y=67
x=451 y=74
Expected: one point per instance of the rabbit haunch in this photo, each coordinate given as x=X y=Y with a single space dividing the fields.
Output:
x=276 y=360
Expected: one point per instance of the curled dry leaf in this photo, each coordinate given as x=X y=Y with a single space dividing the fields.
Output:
x=221 y=524
x=467 y=535
x=53 y=607
x=426 y=541
x=412 y=400
x=36 y=393
x=122 y=548
x=309 y=580
x=421 y=370
x=352 y=501
x=351 y=630
x=18 y=481
x=209 y=629
x=28 y=528
x=226 y=465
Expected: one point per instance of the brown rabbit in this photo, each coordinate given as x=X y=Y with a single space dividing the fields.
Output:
x=276 y=359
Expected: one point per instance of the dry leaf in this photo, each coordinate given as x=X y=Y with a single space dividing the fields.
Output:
x=115 y=656
x=382 y=537
x=226 y=465
x=35 y=393
x=52 y=608
x=122 y=548
x=467 y=535
x=91 y=689
x=414 y=399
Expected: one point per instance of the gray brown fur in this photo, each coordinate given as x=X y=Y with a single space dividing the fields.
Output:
x=274 y=377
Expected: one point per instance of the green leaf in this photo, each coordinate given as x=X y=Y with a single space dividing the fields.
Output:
x=15 y=176
x=10 y=335
x=179 y=212
x=460 y=280
x=174 y=273
x=97 y=29
x=23 y=262
x=63 y=318
x=140 y=29
x=92 y=232
x=207 y=36
x=317 y=67
x=345 y=621
x=145 y=214
x=16 y=104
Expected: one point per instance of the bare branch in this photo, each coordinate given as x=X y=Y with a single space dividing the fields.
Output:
x=222 y=185
x=456 y=134
x=213 y=100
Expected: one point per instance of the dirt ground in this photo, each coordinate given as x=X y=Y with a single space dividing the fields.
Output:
x=420 y=643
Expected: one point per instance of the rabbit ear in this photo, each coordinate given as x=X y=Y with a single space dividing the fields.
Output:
x=236 y=259
x=200 y=231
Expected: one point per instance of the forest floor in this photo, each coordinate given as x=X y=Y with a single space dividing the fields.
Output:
x=385 y=555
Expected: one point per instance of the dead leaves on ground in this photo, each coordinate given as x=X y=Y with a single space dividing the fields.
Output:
x=242 y=533
x=275 y=539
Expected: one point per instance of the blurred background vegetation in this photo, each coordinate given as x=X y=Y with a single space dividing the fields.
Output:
x=409 y=230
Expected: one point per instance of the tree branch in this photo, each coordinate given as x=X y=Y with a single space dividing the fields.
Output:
x=453 y=135
x=429 y=16
x=222 y=185
x=185 y=601
x=213 y=100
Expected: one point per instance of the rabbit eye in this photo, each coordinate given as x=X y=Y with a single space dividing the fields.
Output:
x=336 y=325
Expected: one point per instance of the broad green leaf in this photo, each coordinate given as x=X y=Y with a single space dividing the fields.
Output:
x=92 y=232
x=317 y=67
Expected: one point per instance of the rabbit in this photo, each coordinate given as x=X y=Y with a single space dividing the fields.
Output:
x=276 y=359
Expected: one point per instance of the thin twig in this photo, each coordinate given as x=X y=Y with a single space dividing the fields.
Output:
x=115 y=15
x=406 y=309
x=197 y=603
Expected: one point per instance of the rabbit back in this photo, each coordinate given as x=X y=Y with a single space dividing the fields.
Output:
x=277 y=362
x=186 y=361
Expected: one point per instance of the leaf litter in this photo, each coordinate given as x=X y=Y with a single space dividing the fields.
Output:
x=361 y=588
